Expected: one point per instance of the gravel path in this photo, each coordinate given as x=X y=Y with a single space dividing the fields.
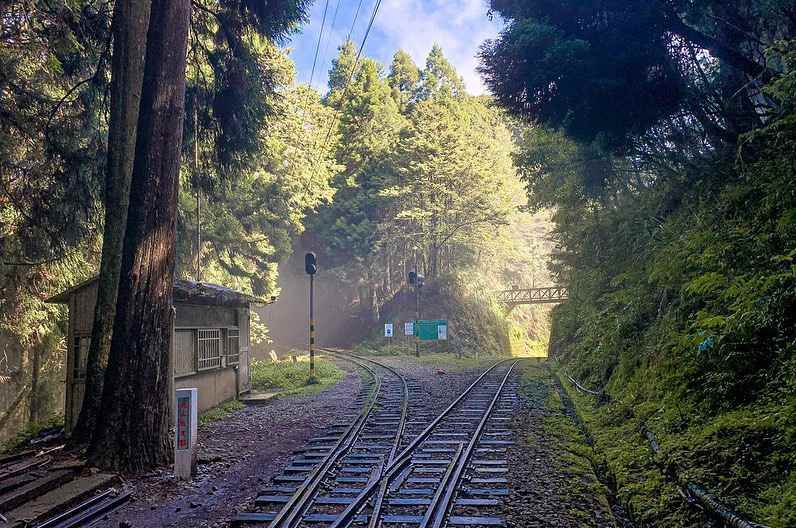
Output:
x=237 y=454
x=552 y=482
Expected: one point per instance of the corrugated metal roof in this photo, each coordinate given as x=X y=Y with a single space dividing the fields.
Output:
x=186 y=291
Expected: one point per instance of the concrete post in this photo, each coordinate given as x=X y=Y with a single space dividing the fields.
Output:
x=185 y=433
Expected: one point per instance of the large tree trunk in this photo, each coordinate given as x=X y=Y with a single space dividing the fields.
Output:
x=130 y=23
x=133 y=429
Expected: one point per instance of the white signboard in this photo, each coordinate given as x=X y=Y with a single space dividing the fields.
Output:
x=388 y=330
x=185 y=433
x=409 y=328
x=442 y=332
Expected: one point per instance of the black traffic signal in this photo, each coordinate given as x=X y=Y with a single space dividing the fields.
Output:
x=310 y=263
x=412 y=278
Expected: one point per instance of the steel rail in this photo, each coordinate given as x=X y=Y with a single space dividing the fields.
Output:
x=441 y=506
x=404 y=405
x=290 y=514
x=303 y=494
x=379 y=499
x=405 y=456
x=443 y=485
x=90 y=510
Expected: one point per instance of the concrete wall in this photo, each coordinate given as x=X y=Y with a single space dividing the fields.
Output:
x=202 y=316
x=215 y=386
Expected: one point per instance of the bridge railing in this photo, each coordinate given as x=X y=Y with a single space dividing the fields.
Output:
x=549 y=295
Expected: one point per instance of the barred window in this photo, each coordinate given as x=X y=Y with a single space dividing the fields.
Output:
x=209 y=348
x=233 y=346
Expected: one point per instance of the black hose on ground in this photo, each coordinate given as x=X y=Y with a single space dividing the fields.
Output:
x=695 y=493
x=601 y=395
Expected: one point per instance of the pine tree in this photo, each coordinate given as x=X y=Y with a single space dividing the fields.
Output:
x=403 y=78
x=439 y=78
x=341 y=71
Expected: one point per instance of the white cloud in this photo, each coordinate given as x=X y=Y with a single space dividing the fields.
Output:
x=459 y=26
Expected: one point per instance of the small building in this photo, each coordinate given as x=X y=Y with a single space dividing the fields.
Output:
x=210 y=345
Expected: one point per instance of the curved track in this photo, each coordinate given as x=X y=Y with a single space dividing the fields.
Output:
x=356 y=451
x=382 y=469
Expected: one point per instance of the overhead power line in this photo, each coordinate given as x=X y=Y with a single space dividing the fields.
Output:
x=336 y=116
x=351 y=73
x=315 y=57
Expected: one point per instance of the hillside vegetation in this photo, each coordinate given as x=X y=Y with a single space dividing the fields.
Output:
x=666 y=143
x=476 y=324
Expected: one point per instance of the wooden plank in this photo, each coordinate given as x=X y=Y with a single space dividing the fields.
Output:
x=61 y=498
x=38 y=487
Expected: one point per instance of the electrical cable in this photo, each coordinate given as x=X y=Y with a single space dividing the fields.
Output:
x=336 y=117
x=351 y=74
x=315 y=58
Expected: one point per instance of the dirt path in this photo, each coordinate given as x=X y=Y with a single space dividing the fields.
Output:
x=551 y=478
x=237 y=454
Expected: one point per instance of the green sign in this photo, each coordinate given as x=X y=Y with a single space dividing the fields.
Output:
x=432 y=330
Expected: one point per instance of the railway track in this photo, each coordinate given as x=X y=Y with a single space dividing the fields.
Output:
x=398 y=462
x=39 y=491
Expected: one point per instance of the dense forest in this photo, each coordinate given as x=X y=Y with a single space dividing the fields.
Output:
x=659 y=138
x=393 y=167
x=666 y=147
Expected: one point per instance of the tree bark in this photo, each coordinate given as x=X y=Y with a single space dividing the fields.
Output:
x=35 y=375
x=132 y=431
x=130 y=22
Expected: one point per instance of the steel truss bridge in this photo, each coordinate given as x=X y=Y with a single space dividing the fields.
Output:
x=518 y=296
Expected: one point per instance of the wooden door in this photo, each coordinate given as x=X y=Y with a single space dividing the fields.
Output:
x=244 y=372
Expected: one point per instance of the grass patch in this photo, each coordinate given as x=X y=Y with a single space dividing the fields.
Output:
x=220 y=412
x=290 y=378
x=443 y=360
x=573 y=454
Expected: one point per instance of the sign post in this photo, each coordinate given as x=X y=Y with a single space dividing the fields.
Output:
x=185 y=433
x=388 y=334
x=417 y=280
x=432 y=330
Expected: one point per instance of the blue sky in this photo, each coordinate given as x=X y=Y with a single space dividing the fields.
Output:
x=459 y=26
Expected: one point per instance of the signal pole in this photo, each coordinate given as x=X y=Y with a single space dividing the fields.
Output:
x=416 y=280
x=311 y=267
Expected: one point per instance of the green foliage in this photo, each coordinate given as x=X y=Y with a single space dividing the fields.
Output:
x=219 y=412
x=674 y=216
x=341 y=71
x=611 y=72
x=439 y=79
x=289 y=378
x=566 y=67
x=249 y=223
x=427 y=182
x=684 y=307
x=403 y=78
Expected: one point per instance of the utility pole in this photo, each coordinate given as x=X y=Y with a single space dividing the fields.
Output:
x=311 y=267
